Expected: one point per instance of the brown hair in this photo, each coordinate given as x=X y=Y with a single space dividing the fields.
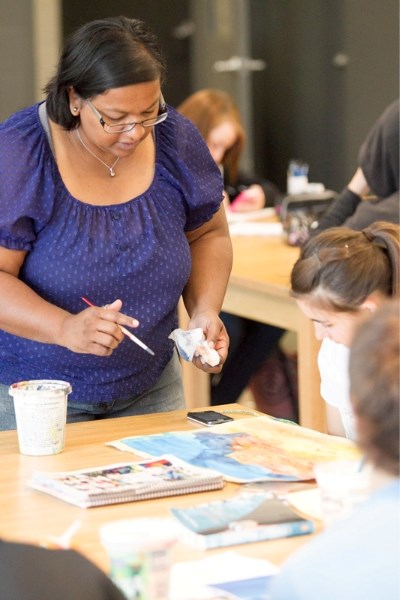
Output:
x=374 y=385
x=339 y=268
x=207 y=109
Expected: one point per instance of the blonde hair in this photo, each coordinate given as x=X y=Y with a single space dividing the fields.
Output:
x=207 y=109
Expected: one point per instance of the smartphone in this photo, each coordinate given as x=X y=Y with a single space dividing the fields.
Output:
x=208 y=417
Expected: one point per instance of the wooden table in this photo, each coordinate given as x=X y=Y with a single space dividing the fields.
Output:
x=259 y=289
x=30 y=516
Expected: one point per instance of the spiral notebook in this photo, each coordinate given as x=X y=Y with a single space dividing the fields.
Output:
x=127 y=482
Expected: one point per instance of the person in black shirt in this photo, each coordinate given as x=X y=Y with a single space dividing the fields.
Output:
x=29 y=572
x=377 y=174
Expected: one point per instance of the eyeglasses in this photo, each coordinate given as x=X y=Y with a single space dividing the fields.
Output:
x=123 y=127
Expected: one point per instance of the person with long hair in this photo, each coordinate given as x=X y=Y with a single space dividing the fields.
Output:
x=217 y=117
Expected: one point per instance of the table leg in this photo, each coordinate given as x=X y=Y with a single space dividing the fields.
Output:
x=311 y=406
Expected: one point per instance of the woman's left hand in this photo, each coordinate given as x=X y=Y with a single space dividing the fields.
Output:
x=215 y=334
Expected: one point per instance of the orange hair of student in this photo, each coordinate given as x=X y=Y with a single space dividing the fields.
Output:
x=207 y=109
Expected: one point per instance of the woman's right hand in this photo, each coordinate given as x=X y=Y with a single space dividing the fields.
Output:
x=96 y=329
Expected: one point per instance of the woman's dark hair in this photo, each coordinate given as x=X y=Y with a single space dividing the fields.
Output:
x=101 y=55
x=374 y=385
x=339 y=268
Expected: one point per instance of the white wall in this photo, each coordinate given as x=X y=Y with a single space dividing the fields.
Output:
x=29 y=47
x=16 y=71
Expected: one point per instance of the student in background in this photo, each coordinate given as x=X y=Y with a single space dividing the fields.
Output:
x=29 y=572
x=377 y=174
x=217 y=117
x=358 y=558
x=106 y=192
x=342 y=276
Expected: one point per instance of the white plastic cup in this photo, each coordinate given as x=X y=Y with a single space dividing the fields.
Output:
x=139 y=552
x=342 y=486
x=297 y=177
x=297 y=184
x=41 y=415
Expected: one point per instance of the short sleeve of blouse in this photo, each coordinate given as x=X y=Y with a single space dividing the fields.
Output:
x=187 y=163
x=27 y=187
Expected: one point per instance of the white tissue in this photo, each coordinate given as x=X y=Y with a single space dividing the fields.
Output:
x=193 y=343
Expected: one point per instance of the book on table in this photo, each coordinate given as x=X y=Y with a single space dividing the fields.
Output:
x=244 y=518
x=127 y=482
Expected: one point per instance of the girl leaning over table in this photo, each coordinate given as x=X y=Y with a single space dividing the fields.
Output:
x=107 y=193
x=341 y=277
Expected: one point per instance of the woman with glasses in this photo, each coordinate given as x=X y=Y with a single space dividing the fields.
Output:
x=107 y=197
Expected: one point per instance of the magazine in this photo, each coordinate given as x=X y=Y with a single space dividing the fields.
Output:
x=244 y=518
x=245 y=450
x=127 y=482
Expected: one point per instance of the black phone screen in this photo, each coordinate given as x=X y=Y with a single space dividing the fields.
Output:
x=208 y=417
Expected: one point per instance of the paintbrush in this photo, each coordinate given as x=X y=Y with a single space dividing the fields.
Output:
x=126 y=332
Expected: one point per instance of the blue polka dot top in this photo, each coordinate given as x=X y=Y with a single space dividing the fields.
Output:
x=136 y=251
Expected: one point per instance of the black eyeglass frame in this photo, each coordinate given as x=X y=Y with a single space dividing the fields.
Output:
x=125 y=127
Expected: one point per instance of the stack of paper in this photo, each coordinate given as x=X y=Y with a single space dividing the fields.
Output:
x=251 y=215
x=264 y=228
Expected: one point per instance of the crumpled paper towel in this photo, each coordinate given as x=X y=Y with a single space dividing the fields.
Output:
x=193 y=343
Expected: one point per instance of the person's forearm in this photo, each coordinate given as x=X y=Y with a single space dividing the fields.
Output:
x=358 y=184
x=340 y=210
x=24 y=313
x=211 y=267
x=345 y=204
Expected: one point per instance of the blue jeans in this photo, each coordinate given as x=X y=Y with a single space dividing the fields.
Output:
x=165 y=395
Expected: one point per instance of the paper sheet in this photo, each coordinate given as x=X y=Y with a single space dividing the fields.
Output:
x=251 y=215
x=256 y=229
x=191 y=580
x=306 y=502
x=245 y=450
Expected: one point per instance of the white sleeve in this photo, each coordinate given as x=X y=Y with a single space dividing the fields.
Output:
x=333 y=361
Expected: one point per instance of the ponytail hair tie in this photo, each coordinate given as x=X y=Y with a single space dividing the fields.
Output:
x=368 y=234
